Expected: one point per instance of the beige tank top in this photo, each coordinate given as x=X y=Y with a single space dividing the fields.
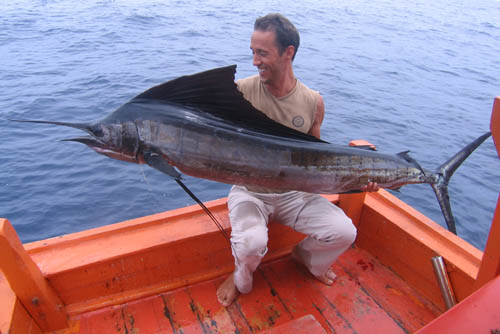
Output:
x=295 y=110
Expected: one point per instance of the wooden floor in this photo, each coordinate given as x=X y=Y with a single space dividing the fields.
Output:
x=365 y=298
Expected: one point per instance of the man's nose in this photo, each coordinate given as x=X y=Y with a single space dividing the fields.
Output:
x=256 y=60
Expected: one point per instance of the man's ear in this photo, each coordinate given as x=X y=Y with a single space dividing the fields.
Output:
x=289 y=51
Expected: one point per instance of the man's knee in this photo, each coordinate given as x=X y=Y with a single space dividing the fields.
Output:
x=348 y=232
x=254 y=242
x=341 y=232
x=249 y=229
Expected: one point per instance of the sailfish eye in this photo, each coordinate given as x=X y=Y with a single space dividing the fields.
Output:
x=97 y=131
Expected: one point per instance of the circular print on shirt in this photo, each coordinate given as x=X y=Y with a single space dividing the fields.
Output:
x=298 y=121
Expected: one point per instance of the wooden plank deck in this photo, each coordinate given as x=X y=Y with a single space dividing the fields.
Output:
x=367 y=297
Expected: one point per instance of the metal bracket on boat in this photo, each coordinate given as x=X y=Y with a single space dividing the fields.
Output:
x=443 y=281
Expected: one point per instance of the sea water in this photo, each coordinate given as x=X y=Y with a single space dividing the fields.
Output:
x=405 y=75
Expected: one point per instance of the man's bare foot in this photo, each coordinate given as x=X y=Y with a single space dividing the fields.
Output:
x=227 y=292
x=327 y=277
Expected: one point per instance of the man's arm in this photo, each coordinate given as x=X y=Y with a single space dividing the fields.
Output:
x=316 y=132
x=318 y=118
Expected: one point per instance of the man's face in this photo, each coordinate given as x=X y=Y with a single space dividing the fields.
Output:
x=266 y=56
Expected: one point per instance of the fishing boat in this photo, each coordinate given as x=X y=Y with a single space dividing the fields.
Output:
x=159 y=274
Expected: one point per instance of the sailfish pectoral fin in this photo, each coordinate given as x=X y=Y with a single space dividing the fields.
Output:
x=156 y=161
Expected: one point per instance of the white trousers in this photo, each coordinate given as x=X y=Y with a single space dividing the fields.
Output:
x=329 y=231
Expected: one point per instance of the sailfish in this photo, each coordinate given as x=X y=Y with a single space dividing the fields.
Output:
x=201 y=125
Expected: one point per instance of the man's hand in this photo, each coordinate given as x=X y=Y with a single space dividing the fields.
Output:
x=371 y=187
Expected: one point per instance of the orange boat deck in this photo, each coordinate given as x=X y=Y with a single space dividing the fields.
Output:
x=366 y=297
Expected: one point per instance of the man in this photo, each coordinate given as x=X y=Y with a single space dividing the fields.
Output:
x=277 y=92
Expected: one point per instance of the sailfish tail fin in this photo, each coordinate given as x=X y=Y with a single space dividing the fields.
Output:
x=444 y=174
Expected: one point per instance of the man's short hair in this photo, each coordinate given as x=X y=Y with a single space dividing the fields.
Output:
x=286 y=33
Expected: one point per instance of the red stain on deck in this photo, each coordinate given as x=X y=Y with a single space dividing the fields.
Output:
x=366 y=265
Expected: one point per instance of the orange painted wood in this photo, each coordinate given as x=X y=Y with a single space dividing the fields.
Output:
x=295 y=288
x=177 y=310
x=392 y=294
x=490 y=265
x=22 y=322
x=261 y=308
x=172 y=250
x=136 y=235
x=405 y=240
x=169 y=266
x=156 y=270
x=358 y=308
x=361 y=142
x=28 y=283
x=208 y=310
x=7 y=304
x=114 y=264
x=305 y=325
x=234 y=312
x=495 y=124
x=353 y=205
x=106 y=321
x=284 y=291
x=190 y=310
x=478 y=313
x=13 y=316
x=164 y=311
x=140 y=258
x=167 y=251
